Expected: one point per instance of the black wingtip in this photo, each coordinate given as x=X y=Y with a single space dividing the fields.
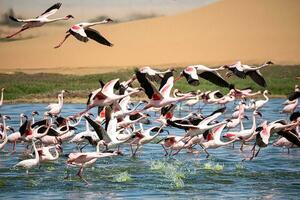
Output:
x=13 y=18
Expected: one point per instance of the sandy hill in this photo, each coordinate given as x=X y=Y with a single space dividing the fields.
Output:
x=251 y=30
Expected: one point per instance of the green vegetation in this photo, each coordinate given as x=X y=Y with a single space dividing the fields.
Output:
x=25 y=87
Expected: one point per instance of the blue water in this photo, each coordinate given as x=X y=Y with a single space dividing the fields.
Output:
x=274 y=174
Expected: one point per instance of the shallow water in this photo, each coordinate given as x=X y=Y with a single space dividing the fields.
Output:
x=274 y=174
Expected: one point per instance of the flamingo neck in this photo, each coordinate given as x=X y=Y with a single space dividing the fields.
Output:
x=266 y=97
x=1 y=101
x=37 y=158
x=87 y=126
x=96 y=23
x=253 y=123
x=5 y=135
x=57 y=19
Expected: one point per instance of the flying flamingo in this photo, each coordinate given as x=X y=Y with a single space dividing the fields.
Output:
x=39 y=20
x=245 y=133
x=83 y=33
x=105 y=96
x=216 y=141
x=242 y=71
x=86 y=159
x=159 y=98
x=144 y=137
x=192 y=74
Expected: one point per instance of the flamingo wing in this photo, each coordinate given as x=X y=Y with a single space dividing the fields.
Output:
x=216 y=132
x=190 y=74
x=98 y=128
x=95 y=35
x=78 y=32
x=167 y=84
x=50 y=11
x=257 y=77
x=149 y=88
x=293 y=96
x=238 y=70
x=214 y=78
x=23 y=20
x=108 y=88
x=290 y=136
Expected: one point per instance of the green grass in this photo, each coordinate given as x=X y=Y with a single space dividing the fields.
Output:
x=20 y=86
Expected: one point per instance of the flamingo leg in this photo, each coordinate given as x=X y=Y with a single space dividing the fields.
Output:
x=83 y=147
x=165 y=150
x=182 y=146
x=257 y=152
x=66 y=37
x=137 y=147
x=19 y=31
x=207 y=154
x=80 y=175
x=14 y=148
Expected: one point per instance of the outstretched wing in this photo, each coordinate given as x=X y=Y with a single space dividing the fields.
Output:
x=79 y=33
x=50 y=11
x=95 y=35
x=214 y=78
x=256 y=76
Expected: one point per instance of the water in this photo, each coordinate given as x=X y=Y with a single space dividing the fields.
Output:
x=274 y=174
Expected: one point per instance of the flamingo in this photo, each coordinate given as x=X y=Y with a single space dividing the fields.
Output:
x=162 y=97
x=87 y=159
x=83 y=33
x=290 y=108
x=294 y=95
x=192 y=74
x=30 y=163
x=172 y=143
x=46 y=155
x=14 y=137
x=1 y=100
x=242 y=71
x=256 y=105
x=216 y=141
x=55 y=108
x=266 y=130
x=144 y=137
x=106 y=96
x=4 y=136
x=246 y=133
x=39 y=20
x=154 y=75
x=192 y=102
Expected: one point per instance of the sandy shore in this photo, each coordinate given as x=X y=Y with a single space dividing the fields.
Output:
x=251 y=30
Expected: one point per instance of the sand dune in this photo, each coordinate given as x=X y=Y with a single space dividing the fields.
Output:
x=251 y=30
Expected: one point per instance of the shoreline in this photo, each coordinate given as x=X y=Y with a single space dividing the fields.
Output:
x=79 y=100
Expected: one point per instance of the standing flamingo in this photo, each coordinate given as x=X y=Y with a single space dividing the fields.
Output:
x=1 y=100
x=30 y=163
x=39 y=20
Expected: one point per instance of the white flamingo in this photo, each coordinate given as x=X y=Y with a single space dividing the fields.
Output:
x=30 y=163
x=40 y=20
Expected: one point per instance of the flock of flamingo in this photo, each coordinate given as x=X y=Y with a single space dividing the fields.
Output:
x=120 y=122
